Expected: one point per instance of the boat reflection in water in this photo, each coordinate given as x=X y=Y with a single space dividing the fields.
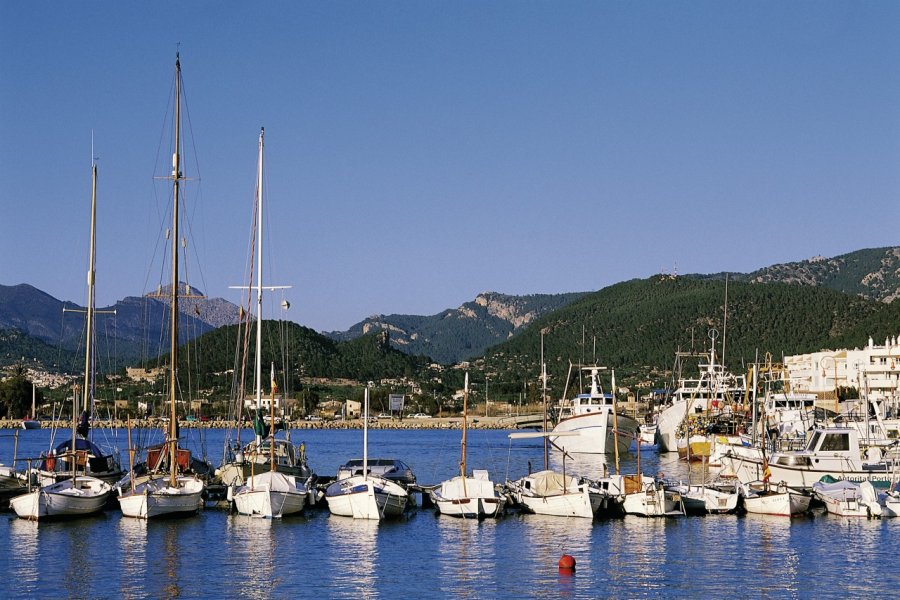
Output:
x=467 y=559
x=24 y=562
x=132 y=541
x=253 y=543
x=352 y=557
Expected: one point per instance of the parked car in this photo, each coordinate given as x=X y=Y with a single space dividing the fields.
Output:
x=419 y=416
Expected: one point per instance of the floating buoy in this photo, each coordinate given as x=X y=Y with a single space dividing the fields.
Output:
x=567 y=563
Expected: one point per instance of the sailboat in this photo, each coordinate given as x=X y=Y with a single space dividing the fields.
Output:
x=548 y=492
x=464 y=496
x=162 y=491
x=77 y=495
x=265 y=478
x=366 y=496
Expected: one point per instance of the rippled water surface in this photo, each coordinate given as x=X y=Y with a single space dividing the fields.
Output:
x=216 y=554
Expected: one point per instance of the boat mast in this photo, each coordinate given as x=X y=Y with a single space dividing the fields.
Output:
x=366 y=433
x=89 y=337
x=615 y=420
x=272 y=422
x=173 y=350
x=259 y=232
x=544 y=400
x=465 y=427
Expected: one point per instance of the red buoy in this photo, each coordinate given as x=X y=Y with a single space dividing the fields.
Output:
x=567 y=562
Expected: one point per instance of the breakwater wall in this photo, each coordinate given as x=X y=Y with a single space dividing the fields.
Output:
x=446 y=423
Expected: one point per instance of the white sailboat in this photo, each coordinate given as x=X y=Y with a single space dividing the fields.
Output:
x=163 y=491
x=77 y=495
x=556 y=494
x=464 y=496
x=366 y=496
x=270 y=493
x=762 y=499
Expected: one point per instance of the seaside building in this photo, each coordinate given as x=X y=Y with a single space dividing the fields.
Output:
x=874 y=370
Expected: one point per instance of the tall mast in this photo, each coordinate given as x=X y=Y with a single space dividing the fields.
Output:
x=366 y=434
x=89 y=334
x=462 y=462
x=89 y=339
x=259 y=289
x=173 y=350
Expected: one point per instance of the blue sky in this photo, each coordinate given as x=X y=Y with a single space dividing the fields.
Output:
x=419 y=153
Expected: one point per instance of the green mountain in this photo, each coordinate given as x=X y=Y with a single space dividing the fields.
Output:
x=465 y=332
x=873 y=273
x=297 y=350
x=637 y=326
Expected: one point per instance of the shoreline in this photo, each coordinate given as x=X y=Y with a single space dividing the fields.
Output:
x=431 y=423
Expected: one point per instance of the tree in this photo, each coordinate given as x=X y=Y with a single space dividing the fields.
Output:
x=15 y=396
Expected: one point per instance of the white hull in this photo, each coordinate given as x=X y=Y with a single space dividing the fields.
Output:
x=890 y=504
x=366 y=498
x=156 y=498
x=652 y=500
x=846 y=499
x=573 y=504
x=469 y=497
x=87 y=495
x=596 y=434
x=270 y=495
x=779 y=503
x=701 y=499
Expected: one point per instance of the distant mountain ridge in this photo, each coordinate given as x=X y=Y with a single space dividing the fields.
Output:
x=873 y=273
x=137 y=331
x=464 y=332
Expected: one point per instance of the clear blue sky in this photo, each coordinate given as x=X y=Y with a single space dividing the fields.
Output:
x=422 y=152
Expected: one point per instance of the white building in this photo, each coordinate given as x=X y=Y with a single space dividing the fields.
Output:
x=874 y=370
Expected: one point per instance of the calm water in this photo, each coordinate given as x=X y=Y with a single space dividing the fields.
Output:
x=217 y=554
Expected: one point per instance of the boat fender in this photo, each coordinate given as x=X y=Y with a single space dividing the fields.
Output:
x=229 y=495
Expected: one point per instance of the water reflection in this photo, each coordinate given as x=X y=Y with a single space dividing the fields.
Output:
x=635 y=552
x=23 y=555
x=251 y=545
x=131 y=535
x=467 y=556
x=351 y=557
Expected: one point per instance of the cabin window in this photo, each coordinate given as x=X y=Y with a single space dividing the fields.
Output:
x=814 y=440
x=836 y=442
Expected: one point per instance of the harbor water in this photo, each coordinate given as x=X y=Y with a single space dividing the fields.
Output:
x=216 y=554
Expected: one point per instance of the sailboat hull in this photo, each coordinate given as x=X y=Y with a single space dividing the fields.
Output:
x=156 y=498
x=469 y=497
x=84 y=496
x=270 y=495
x=366 y=498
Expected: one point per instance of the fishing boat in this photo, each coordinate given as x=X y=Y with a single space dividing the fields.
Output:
x=762 y=499
x=592 y=414
x=831 y=451
x=847 y=499
x=702 y=409
x=464 y=496
x=366 y=495
x=706 y=498
x=77 y=495
x=163 y=491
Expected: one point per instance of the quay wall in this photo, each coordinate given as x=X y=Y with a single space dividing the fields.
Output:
x=444 y=423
